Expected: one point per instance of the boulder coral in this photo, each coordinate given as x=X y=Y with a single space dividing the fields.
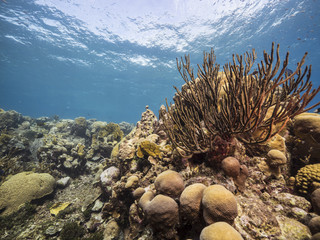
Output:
x=219 y=204
x=132 y=182
x=162 y=212
x=220 y=231
x=169 y=183
x=306 y=127
x=24 y=187
x=314 y=225
x=275 y=160
x=231 y=167
x=190 y=202
x=315 y=200
x=239 y=173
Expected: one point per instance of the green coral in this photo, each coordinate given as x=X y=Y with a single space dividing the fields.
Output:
x=306 y=177
x=147 y=148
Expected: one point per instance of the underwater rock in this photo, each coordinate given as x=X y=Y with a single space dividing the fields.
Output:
x=138 y=193
x=219 y=204
x=52 y=230
x=63 y=182
x=220 y=231
x=97 y=206
x=111 y=230
x=24 y=187
x=169 y=183
x=109 y=175
x=292 y=229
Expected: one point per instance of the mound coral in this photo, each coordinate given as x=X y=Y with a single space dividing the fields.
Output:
x=162 y=213
x=315 y=199
x=169 y=183
x=276 y=159
x=239 y=173
x=231 y=167
x=238 y=104
x=24 y=187
x=219 y=204
x=306 y=177
x=190 y=202
x=220 y=231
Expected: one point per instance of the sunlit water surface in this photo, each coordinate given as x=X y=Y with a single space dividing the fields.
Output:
x=109 y=59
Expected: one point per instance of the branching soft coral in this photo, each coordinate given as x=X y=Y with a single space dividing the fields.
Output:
x=252 y=106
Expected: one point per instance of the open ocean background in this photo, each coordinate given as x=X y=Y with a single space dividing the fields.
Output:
x=108 y=59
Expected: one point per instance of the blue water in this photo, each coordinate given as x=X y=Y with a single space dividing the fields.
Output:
x=109 y=59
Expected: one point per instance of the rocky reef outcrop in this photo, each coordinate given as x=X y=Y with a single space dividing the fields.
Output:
x=137 y=186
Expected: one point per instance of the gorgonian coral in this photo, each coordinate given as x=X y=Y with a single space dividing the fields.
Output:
x=250 y=104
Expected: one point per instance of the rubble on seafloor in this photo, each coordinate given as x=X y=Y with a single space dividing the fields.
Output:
x=112 y=183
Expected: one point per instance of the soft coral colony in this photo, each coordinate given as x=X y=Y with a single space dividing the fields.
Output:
x=252 y=106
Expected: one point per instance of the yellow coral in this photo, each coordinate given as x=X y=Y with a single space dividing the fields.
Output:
x=80 y=148
x=147 y=148
x=58 y=207
x=306 y=177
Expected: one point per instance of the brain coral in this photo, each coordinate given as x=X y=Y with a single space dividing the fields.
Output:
x=307 y=177
x=24 y=187
x=220 y=231
x=169 y=183
x=219 y=204
x=190 y=202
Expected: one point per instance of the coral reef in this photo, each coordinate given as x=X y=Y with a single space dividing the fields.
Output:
x=218 y=164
